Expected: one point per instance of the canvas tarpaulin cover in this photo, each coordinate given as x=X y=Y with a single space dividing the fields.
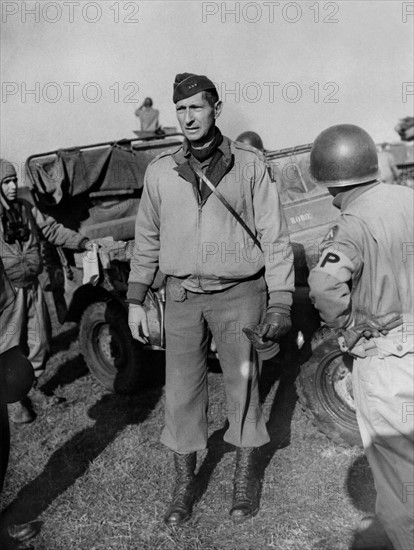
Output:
x=77 y=171
x=94 y=189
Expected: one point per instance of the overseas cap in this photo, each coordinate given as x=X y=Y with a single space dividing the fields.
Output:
x=189 y=84
x=6 y=169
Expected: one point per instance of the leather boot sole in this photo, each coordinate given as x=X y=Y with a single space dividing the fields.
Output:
x=175 y=522
x=22 y=532
x=239 y=517
x=19 y=413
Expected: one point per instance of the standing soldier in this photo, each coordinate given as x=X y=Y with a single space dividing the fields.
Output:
x=365 y=277
x=26 y=322
x=16 y=378
x=216 y=280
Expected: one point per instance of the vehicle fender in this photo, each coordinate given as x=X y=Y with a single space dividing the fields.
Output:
x=86 y=295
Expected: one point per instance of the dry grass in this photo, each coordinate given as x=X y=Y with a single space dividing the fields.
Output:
x=93 y=473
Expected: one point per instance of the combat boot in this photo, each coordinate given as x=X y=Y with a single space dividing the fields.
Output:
x=246 y=490
x=181 y=506
x=22 y=532
x=371 y=535
x=42 y=401
x=19 y=413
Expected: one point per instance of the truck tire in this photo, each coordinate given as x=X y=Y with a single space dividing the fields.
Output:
x=324 y=388
x=110 y=352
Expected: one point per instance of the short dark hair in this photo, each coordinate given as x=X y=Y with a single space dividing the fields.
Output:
x=211 y=96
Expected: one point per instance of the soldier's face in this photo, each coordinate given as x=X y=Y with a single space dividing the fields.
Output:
x=9 y=187
x=197 y=118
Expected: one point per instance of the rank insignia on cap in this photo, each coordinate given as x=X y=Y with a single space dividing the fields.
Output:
x=188 y=84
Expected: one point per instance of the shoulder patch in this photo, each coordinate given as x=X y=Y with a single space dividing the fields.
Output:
x=330 y=236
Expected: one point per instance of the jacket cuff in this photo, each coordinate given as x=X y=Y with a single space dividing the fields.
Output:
x=134 y=302
x=268 y=353
x=136 y=293
x=280 y=302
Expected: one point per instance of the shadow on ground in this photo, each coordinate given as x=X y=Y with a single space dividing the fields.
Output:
x=360 y=485
x=278 y=425
x=62 y=340
x=72 y=370
x=112 y=414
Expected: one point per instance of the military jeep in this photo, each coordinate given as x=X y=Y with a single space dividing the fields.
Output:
x=96 y=189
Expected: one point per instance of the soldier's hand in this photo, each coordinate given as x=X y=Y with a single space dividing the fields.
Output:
x=138 y=323
x=374 y=326
x=390 y=321
x=273 y=327
x=257 y=342
x=88 y=245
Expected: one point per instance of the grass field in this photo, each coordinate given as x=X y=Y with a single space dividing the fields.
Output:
x=92 y=473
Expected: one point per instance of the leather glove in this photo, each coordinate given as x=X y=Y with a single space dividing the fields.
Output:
x=85 y=244
x=273 y=327
x=370 y=326
x=375 y=326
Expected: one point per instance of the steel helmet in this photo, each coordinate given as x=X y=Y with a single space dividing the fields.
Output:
x=251 y=138
x=344 y=155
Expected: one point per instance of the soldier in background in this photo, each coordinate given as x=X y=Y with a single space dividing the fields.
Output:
x=251 y=138
x=389 y=171
x=365 y=276
x=148 y=116
x=27 y=323
x=16 y=378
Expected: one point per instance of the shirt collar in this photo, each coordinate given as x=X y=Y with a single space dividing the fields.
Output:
x=184 y=152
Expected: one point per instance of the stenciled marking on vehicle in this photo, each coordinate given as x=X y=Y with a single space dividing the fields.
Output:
x=301 y=218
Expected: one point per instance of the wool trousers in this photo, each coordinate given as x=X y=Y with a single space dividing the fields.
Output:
x=189 y=319
x=384 y=396
x=26 y=323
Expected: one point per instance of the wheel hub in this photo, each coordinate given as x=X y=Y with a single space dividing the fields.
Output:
x=107 y=345
x=335 y=386
x=342 y=382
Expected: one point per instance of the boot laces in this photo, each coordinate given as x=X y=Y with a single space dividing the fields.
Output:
x=184 y=480
x=245 y=476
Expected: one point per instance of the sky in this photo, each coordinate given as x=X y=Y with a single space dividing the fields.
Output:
x=73 y=72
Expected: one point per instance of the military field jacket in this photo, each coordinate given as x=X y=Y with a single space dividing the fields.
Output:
x=366 y=261
x=22 y=260
x=187 y=237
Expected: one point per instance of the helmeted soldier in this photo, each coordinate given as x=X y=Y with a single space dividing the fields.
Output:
x=251 y=138
x=365 y=277
x=216 y=281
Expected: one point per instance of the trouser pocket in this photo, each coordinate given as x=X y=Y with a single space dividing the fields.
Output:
x=175 y=290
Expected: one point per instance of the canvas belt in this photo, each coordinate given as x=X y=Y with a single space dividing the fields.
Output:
x=397 y=343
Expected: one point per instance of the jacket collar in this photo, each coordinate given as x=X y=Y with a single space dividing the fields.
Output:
x=343 y=200
x=183 y=155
